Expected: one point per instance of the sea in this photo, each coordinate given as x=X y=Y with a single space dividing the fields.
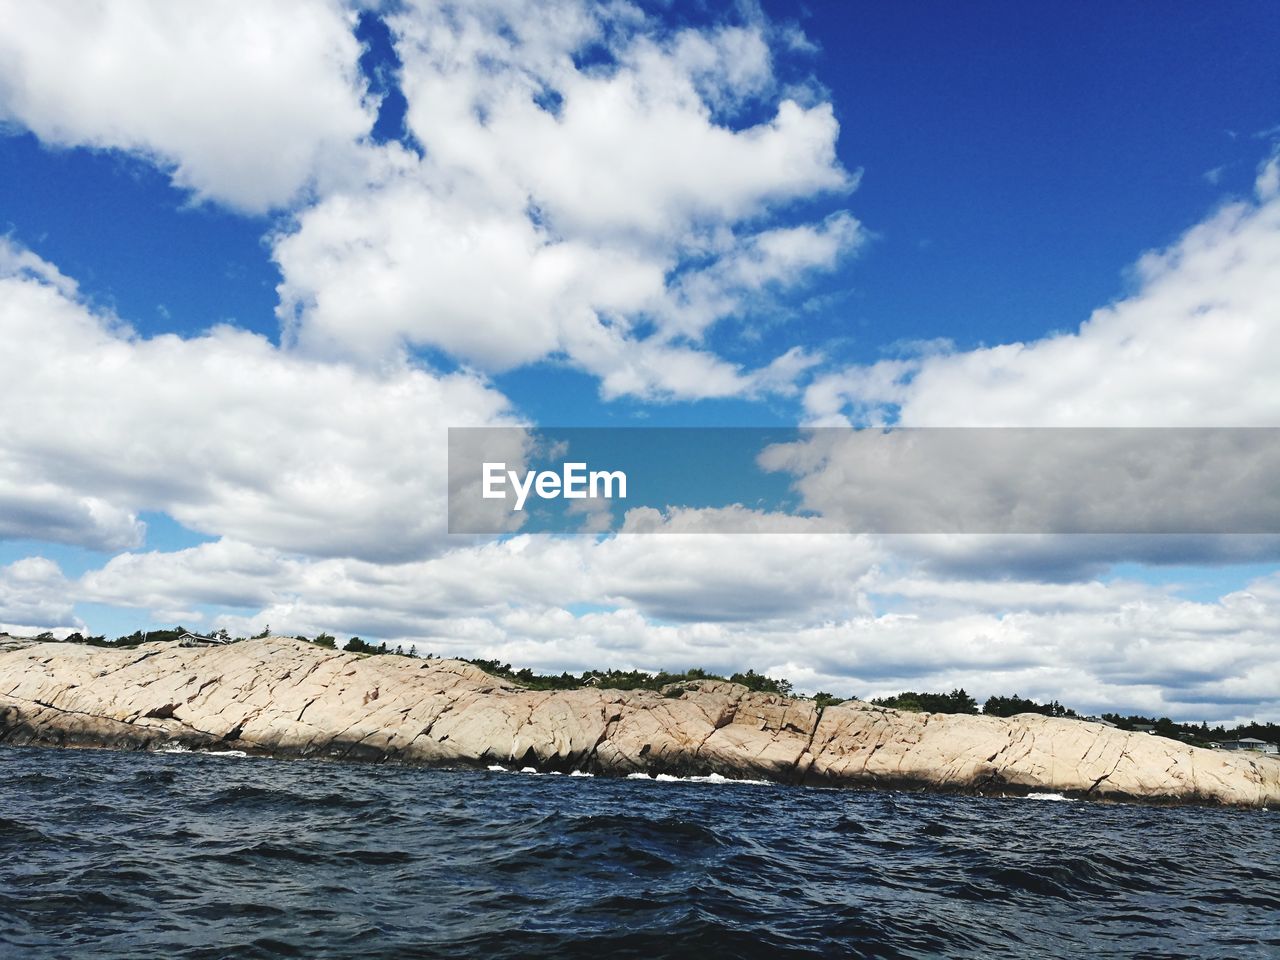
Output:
x=187 y=855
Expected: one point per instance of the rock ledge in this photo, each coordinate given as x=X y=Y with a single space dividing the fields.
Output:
x=287 y=698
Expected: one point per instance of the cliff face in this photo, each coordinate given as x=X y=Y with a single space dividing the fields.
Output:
x=288 y=698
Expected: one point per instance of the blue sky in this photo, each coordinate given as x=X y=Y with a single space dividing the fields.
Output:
x=891 y=193
x=1014 y=163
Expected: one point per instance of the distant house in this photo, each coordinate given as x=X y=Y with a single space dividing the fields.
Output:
x=1099 y=720
x=1143 y=728
x=195 y=640
x=1250 y=743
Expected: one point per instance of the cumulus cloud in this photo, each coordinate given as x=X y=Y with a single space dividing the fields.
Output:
x=579 y=181
x=37 y=509
x=588 y=190
x=1197 y=344
x=34 y=597
x=223 y=431
x=682 y=578
x=1060 y=558
x=631 y=141
x=245 y=103
x=777 y=257
x=1155 y=654
x=834 y=613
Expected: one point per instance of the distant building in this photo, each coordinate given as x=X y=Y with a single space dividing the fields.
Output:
x=1250 y=743
x=1099 y=720
x=195 y=640
x=1143 y=728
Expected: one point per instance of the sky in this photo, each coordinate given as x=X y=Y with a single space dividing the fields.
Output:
x=256 y=259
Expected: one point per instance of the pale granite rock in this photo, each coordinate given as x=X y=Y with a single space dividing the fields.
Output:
x=287 y=698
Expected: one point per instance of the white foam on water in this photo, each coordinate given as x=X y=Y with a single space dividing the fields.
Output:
x=497 y=768
x=528 y=770
x=717 y=778
x=709 y=778
x=580 y=773
x=179 y=748
x=1049 y=796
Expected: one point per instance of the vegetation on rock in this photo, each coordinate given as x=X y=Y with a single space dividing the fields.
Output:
x=956 y=702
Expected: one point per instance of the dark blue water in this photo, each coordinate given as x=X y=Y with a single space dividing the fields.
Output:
x=161 y=856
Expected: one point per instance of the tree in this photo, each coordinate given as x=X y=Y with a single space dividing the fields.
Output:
x=1012 y=706
x=824 y=699
x=761 y=684
x=957 y=701
x=327 y=641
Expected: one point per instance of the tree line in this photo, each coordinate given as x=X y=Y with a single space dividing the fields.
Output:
x=958 y=701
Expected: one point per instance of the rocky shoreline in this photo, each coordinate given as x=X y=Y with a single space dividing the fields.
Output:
x=286 y=698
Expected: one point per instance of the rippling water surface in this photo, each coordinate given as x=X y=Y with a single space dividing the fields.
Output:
x=188 y=856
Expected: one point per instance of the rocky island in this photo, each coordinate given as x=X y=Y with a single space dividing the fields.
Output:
x=282 y=697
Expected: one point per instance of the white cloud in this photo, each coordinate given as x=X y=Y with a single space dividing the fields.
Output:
x=833 y=613
x=244 y=102
x=595 y=186
x=1267 y=185
x=607 y=213
x=672 y=576
x=366 y=270
x=36 y=509
x=778 y=257
x=1197 y=344
x=34 y=597
x=225 y=432
x=631 y=142
x=1060 y=558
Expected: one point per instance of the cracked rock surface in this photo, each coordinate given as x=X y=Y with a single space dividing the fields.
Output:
x=287 y=698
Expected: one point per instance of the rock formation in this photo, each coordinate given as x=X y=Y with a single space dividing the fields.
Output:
x=287 y=698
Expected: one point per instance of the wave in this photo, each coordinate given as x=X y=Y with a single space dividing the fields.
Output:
x=709 y=778
x=139 y=855
x=179 y=748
